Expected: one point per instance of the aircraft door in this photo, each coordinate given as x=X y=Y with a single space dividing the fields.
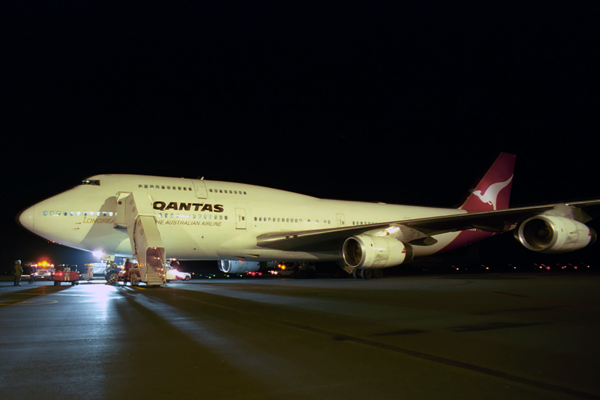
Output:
x=240 y=218
x=341 y=220
x=200 y=189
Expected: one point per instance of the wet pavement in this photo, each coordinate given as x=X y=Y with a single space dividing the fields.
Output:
x=482 y=336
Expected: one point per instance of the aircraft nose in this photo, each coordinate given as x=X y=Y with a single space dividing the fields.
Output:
x=26 y=218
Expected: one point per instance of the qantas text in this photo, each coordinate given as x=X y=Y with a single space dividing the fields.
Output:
x=163 y=206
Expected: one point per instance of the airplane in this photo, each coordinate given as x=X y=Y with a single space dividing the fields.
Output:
x=244 y=227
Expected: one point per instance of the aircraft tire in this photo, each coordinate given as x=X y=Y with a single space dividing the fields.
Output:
x=366 y=273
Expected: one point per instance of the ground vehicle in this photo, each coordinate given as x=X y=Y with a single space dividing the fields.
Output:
x=101 y=271
x=66 y=276
x=174 y=275
x=128 y=272
x=44 y=270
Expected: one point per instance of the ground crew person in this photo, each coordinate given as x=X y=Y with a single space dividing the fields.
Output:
x=32 y=271
x=18 y=272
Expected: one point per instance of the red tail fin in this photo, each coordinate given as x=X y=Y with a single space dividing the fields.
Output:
x=493 y=191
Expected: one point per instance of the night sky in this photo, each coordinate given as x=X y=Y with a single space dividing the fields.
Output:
x=400 y=104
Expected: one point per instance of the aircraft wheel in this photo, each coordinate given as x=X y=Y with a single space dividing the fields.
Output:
x=356 y=273
x=378 y=273
x=366 y=273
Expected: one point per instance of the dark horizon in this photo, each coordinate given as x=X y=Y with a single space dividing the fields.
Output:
x=399 y=104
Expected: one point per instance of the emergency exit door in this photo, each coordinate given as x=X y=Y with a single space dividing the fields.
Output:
x=240 y=218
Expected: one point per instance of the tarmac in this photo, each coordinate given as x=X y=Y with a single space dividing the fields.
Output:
x=497 y=336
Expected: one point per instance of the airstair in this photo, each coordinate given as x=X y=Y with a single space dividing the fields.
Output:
x=134 y=211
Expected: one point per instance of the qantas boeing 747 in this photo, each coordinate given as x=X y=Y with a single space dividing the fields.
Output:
x=245 y=226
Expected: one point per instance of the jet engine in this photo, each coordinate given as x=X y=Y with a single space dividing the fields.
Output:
x=550 y=234
x=365 y=251
x=238 y=267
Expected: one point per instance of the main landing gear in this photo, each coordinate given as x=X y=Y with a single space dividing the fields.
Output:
x=304 y=270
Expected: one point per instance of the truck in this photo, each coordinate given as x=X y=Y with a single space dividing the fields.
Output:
x=66 y=275
x=43 y=270
x=111 y=273
x=101 y=271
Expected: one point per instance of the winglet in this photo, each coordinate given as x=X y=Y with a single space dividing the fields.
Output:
x=493 y=190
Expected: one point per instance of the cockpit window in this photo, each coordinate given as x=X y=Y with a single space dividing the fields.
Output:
x=94 y=182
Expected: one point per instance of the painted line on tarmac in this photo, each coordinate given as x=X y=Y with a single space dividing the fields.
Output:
x=34 y=296
x=32 y=300
x=36 y=302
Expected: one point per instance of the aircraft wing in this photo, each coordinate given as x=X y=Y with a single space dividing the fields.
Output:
x=419 y=230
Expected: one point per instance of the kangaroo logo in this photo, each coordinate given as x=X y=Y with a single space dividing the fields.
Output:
x=491 y=194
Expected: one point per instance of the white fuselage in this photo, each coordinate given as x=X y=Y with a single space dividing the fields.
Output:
x=208 y=220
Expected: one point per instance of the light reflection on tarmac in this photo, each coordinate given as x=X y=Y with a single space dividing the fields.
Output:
x=494 y=336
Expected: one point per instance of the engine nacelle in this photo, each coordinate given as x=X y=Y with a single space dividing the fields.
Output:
x=549 y=234
x=238 y=267
x=365 y=251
